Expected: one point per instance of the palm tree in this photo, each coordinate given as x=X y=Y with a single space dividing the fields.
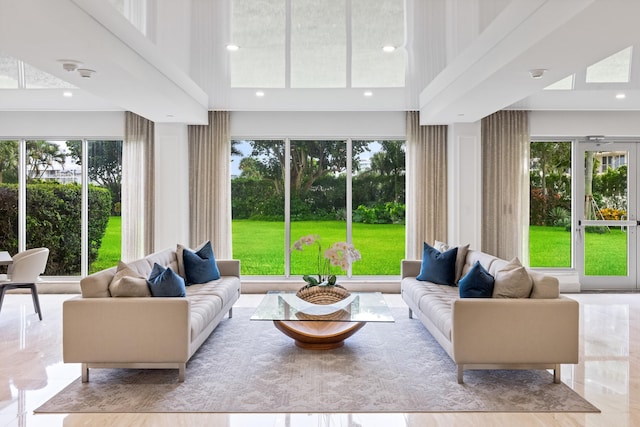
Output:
x=42 y=155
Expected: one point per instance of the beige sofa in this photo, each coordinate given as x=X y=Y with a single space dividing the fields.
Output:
x=539 y=332
x=145 y=332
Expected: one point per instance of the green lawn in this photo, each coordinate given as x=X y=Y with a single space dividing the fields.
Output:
x=259 y=245
x=605 y=254
x=109 y=253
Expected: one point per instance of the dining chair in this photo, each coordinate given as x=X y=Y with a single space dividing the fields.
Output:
x=24 y=272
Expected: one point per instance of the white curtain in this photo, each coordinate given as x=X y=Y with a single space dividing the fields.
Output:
x=505 y=183
x=426 y=175
x=137 y=188
x=210 y=184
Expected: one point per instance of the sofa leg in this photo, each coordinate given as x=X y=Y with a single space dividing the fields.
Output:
x=230 y=312
x=85 y=372
x=181 y=369
x=460 y=373
x=410 y=314
x=556 y=374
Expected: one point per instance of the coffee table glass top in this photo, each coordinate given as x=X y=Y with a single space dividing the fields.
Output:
x=359 y=307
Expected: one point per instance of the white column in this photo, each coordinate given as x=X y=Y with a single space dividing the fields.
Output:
x=464 y=184
x=171 y=185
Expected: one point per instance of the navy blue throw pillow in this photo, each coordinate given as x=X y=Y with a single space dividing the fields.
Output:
x=477 y=283
x=164 y=282
x=200 y=266
x=438 y=267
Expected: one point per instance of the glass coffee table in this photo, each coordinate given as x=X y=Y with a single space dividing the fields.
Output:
x=322 y=327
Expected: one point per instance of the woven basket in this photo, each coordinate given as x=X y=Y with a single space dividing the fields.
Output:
x=323 y=295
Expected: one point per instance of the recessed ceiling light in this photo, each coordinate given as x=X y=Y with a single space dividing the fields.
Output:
x=232 y=47
x=368 y=93
x=67 y=94
x=388 y=48
x=621 y=96
x=259 y=94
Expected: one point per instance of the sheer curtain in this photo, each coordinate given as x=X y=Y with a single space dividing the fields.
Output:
x=426 y=174
x=505 y=183
x=137 y=187
x=210 y=184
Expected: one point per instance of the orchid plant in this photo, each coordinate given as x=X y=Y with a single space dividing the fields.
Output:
x=340 y=254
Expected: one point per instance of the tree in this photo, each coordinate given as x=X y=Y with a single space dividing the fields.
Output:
x=310 y=161
x=589 y=212
x=8 y=159
x=105 y=164
x=41 y=156
x=390 y=162
x=550 y=158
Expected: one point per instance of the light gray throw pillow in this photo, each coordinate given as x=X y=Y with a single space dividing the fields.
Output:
x=128 y=283
x=512 y=281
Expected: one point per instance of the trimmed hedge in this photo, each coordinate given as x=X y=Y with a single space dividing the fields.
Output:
x=54 y=221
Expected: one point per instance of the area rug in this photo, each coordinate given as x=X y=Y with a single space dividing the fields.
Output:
x=250 y=366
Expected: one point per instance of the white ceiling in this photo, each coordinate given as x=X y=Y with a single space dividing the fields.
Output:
x=463 y=59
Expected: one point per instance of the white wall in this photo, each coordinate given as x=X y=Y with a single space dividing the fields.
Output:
x=583 y=123
x=68 y=125
x=297 y=124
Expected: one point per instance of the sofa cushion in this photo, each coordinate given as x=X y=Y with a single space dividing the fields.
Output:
x=96 y=285
x=203 y=309
x=485 y=260
x=200 y=266
x=477 y=283
x=164 y=282
x=436 y=304
x=128 y=283
x=166 y=258
x=438 y=267
x=460 y=257
x=512 y=281
x=544 y=286
x=226 y=288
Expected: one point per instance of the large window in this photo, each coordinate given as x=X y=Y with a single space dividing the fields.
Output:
x=339 y=190
x=550 y=205
x=45 y=202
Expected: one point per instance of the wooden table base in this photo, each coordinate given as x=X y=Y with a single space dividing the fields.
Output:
x=313 y=335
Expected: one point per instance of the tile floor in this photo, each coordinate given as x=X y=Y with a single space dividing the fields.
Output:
x=608 y=375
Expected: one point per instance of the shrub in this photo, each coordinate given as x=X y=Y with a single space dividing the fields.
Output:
x=54 y=221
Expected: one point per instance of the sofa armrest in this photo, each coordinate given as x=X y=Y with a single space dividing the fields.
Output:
x=229 y=267
x=515 y=330
x=410 y=268
x=126 y=330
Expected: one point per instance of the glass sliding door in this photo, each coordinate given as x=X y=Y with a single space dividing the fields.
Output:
x=257 y=204
x=318 y=199
x=550 y=240
x=54 y=204
x=606 y=230
x=379 y=207
x=104 y=160
x=9 y=160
